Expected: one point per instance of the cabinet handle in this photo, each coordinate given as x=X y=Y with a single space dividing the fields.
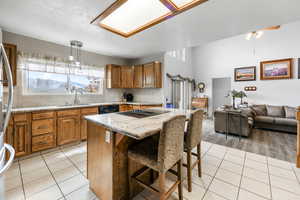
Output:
x=41 y=143
x=43 y=127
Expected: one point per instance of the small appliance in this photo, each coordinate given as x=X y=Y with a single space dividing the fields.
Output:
x=128 y=97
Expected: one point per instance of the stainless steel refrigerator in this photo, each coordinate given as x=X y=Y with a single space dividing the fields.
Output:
x=5 y=111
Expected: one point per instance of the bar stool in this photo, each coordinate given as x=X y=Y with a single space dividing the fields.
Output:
x=161 y=155
x=192 y=138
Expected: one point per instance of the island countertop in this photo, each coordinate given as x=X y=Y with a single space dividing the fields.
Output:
x=137 y=128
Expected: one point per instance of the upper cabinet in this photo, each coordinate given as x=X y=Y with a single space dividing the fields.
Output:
x=127 y=77
x=139 y=76
x=113 y=76
x=11 y=52
x=152 y=75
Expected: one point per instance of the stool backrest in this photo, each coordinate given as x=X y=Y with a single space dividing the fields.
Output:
x=170 y=149
x=194 y=129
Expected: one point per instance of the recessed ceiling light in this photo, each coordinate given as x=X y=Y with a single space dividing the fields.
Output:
x=128 y=17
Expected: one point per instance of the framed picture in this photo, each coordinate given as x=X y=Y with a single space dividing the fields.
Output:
x=245 y=74
x=276 y=69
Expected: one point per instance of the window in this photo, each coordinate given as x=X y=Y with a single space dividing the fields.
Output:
x=50 y=76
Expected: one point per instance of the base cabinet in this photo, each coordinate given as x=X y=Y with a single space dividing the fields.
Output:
x=43 y=128
x=36 y=131
x=19 y=134
x=68 y=129
x=83 y=122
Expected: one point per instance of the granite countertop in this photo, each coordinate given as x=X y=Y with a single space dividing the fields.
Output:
x=44 y=108
x=137 y=128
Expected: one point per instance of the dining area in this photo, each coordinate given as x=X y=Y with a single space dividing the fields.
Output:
x=127 y=155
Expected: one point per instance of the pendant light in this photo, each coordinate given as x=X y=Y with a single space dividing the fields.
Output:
x=75 y=53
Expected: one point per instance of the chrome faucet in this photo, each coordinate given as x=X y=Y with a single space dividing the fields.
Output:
x=76 y=91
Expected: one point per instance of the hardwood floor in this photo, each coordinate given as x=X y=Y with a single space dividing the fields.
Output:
x=277 y=145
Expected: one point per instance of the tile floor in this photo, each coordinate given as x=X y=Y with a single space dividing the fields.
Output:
x=228 y=174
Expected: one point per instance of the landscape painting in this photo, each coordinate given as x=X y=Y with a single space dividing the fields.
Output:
x=276 y=69
x=245 y=74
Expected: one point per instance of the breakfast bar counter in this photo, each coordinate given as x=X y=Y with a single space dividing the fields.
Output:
x=109 y=137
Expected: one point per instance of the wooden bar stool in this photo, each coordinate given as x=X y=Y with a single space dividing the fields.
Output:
x=192 y=138
x=161 y=155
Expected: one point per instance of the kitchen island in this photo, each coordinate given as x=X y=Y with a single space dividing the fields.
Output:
x=109 y=137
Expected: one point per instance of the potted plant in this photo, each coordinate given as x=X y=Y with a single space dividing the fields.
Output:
x=236 y=94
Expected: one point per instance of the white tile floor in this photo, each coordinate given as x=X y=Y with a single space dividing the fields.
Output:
x=228 y=174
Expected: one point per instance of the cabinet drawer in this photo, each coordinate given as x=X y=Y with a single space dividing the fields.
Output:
x=43 y=126
x=136 y=107
x=43 y=142
x=64 y=113
x=150 y=106
x=20 y=117
x=43 y=115
x=93 y=110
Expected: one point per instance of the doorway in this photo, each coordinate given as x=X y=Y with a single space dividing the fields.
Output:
x=220 y=89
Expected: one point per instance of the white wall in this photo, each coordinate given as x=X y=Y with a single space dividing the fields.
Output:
x=31 y=45
x=219 y=58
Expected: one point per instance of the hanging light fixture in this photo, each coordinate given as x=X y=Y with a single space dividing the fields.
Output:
x=75 y=53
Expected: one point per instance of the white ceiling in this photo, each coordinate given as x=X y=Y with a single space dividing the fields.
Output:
x=60 y=21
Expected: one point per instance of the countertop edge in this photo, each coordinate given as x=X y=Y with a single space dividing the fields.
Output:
x=45 y=108
x=119 y=131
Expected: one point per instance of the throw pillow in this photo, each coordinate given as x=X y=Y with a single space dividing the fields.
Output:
x=259 y=110
x=290 y=112
x=275 y=111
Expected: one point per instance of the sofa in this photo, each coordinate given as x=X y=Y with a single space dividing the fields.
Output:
x=277 y=118
x=234 y=123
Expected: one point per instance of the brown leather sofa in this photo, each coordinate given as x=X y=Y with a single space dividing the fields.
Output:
x=277 y=118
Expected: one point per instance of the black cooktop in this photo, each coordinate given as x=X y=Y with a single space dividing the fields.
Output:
x=143 y=113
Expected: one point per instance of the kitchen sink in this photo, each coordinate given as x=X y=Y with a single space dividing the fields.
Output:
x=143 y=113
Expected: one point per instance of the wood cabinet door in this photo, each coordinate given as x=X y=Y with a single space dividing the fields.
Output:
x=68 y=129
x=11 y=52
x=21 y=138
x=138 y=76
x=83 y=123
x=113 y=76
x=157 y=75
x=149 y=75
x=9 y=135
x=126 y=77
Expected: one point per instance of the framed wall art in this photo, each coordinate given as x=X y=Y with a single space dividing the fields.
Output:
x=276 y=69
x=245 y=74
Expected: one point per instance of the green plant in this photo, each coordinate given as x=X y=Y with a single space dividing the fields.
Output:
x=237 y=94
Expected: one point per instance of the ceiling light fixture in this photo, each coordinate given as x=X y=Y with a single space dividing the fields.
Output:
x=128 y=17
x=258 y=34
x=75 y=53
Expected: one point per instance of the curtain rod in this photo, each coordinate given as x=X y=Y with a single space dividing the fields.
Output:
x=180 y=78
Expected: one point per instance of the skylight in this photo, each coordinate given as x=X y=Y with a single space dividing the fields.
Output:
x=134 y=14
x=182 y=3
x=128 y=17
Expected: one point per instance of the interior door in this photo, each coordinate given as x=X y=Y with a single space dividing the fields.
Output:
x=221 y=88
